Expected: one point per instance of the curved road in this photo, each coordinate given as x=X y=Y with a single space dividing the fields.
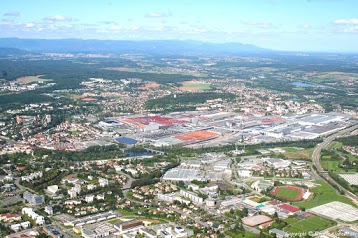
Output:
x=324 y=174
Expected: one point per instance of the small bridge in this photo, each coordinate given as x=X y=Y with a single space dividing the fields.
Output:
x=154 y=151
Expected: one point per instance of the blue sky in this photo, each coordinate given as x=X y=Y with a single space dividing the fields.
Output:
x=297 y=25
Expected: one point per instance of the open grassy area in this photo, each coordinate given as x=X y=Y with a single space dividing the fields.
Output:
x=287 y=193
x=195 y=86
x=314 y=223
x=323 y=194
x=335 y=145
x=332 y=165
x=150 y=86
x=74 y=132
x=298 y=153
x=332 y=76
x=291 y=149
x=127 y=212
x=333 y=161
x=114 y=221
x=31 y=79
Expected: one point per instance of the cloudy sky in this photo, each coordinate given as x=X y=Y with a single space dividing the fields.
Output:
x=299 y=25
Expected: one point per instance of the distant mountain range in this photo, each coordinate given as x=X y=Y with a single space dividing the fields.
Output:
x=121 y=46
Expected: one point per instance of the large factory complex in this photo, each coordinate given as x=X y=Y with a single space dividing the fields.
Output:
x=217 y=128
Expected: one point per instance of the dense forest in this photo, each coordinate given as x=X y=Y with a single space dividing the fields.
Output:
x=349 y=141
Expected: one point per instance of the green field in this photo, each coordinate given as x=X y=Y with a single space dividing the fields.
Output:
x=114 y=221
x=125 y=212
x=31 y=79
x=335 y=145
x=196 y=86
x=294 y=153
x=287 y=193
x=333 y=160
x=323 y=194
x=74 y=132
x=310 y=224
x=332 y=165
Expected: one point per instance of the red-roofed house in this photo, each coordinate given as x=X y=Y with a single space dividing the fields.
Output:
x=7 y=217
x=266 y=224
x=274 y=203
x=289 y=209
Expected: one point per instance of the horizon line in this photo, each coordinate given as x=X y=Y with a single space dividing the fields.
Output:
x=193 y=40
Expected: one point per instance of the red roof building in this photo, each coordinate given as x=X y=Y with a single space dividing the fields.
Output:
x=288 y=208
x=274 y=203
x=9 y=217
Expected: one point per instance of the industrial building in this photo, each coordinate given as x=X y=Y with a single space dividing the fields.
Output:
x=192 y=196
x=33 y=198
x=181 y=174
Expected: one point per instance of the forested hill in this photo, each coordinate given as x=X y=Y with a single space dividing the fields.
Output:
x=6 y=51
x=120 y=46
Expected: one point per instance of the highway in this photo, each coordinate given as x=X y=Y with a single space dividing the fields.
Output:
x=316 y=160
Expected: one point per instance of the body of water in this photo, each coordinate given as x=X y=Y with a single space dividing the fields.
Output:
x=136 y=154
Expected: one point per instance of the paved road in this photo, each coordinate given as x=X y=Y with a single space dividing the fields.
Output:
x=65 y=232
x=129 y=181
x=324 y=174
x=242 y=182
x=17 y=183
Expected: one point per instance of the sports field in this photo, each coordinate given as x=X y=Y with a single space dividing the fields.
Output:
x=290 y=193
x=287 y=193
x=197 y=135
x=314 y=223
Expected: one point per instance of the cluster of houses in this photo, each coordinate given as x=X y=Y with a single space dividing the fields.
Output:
x=15 y=218
x=273 y=167
x=32 y=176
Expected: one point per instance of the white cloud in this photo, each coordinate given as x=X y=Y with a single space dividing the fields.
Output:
x=352 y=21
x=306 y=26
x=353 y=29
x=153 y=15
x=29 y=25
x=107 y=22
x=258 y=24
x=158 y=15
x=115 y=28
x=57 y=18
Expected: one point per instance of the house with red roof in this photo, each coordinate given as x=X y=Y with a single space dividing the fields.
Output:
x=7 y=217
x=273 y=203
x=289 y=209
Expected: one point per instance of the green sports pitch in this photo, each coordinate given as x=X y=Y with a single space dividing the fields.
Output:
x=287 y=193
x=314 y=223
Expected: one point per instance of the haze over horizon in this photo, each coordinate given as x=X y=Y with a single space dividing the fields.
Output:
x=302 y=25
